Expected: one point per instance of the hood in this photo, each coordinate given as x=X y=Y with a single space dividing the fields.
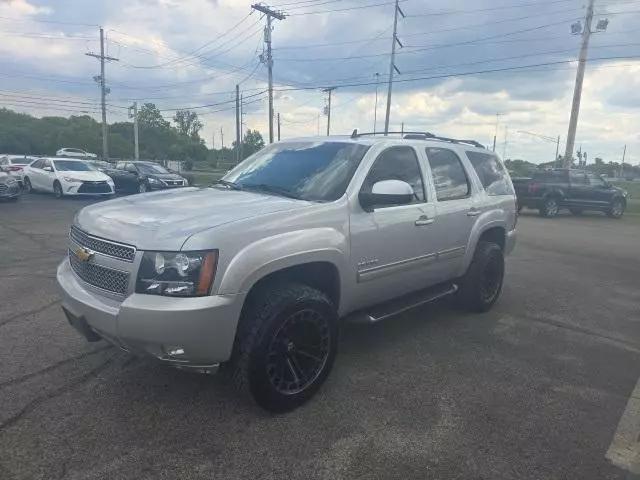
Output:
x=164 y=220
x=89 y=176
x=164 y=176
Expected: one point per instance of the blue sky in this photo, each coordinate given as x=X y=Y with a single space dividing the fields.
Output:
x=456 y=66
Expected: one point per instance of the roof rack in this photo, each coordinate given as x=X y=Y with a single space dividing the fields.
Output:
x=418 y=136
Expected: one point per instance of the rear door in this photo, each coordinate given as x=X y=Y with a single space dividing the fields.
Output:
x=36 y=174
x=456 y=210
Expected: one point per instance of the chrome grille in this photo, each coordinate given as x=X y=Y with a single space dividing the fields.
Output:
x=102 y=277
x=106 y=247
x=3 y=188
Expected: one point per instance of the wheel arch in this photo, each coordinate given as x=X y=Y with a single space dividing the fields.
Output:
x=493 y=231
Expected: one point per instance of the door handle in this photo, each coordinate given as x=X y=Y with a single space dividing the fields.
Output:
x=474 y=212
x=423 y=220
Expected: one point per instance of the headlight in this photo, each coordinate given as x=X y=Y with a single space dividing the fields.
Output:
x=72 y=179
x=177 y=274
x=154 y=180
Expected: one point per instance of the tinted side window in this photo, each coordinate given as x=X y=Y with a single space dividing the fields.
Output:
x=578 y=178
x=491 y=173
x=594 y=180
x=397 y=163
x=449 y=177
x=46 y=163
x=37 y=164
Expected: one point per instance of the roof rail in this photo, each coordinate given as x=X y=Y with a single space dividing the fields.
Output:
x=418 y=136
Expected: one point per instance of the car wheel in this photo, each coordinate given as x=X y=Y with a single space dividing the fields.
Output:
x=285 y=345
x=27 y=185
x=550 y=207
x=617 y=209
x=142 y=187
x=480 y=287
x=576 y=211
x=57 y=190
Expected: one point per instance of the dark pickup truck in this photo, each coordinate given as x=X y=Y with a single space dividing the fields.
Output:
x=550 y=190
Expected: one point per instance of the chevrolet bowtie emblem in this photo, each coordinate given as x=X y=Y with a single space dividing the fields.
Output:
x=84 y=254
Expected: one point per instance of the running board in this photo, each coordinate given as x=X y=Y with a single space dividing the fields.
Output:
x=399 y=305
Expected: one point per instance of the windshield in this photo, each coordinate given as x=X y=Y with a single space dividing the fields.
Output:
x=150 y=168
x=319 y=171
x=71 y=166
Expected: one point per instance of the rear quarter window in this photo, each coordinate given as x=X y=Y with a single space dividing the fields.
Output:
x=491 y=172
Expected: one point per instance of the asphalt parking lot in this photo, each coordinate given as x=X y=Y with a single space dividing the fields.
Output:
x=534 y=389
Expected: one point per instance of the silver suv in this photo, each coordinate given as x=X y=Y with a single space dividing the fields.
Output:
x=255 y=272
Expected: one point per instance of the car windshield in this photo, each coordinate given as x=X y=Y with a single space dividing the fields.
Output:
x=71 y=166
x=317 y=171
x=151 y=168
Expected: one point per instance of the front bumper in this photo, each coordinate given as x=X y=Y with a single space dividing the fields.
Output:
x=71 y=188
x=202 y=328
x=163 y=186
x=11 y=191
x=510 y=241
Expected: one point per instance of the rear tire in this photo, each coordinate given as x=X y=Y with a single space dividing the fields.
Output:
x=481 y=286
x=576 y=211
x=57 y=190
x=142 y=187
x=285 y=346
x=617 y=209
x=550 y=207
x=27 y=188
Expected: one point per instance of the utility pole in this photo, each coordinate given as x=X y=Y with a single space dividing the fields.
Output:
x=555 y=160
x=328 y=108
x=392 y=64
x=278 y=126
x=624 y=153
x=103 y=94
x=134 y=108
x=241 y=128
x=237 y=152
x=222 y=142
x=402 y=129
x=268 y=59
x=375 y=108
x=577 y=91
x=504 y=147
x=495 y=135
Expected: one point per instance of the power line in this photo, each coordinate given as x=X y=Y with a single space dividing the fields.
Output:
x=347 y=9
x=49 y=21
x=489 y=9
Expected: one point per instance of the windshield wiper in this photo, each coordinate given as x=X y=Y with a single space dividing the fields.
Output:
x=226 y=183
x=263 y=187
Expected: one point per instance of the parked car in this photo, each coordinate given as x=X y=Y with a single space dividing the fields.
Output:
x=75 y=153
x=9 y=187
x=551 y=190
x=14 y=165
x=99 y=164
x=142 y=176
x=66 y=176
x=256 y=271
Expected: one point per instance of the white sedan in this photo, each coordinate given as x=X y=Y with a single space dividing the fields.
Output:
x=14 y=165
x=75 y=153
x=66 y=176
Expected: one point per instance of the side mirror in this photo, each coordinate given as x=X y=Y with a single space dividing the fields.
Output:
x=386 y=192
x=48 y=169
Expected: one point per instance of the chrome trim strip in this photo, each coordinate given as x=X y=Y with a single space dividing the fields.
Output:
x=383 y=270
x=451 y=253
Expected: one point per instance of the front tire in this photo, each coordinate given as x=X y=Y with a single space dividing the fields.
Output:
x=285 y=345
x=27 y=188
x=481 y=285
x=550 y=207
x=617 y=209
x=142 y=187
x=57 y=190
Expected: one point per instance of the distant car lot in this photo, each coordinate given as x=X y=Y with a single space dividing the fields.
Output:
x=534 y=389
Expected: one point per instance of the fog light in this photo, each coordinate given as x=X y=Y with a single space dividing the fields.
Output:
x=174 y=351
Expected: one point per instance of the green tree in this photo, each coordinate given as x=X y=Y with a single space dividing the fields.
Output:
x=150 y=116
x=252 y=142
x=188 y=124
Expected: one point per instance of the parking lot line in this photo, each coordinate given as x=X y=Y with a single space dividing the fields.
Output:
x=624 y=450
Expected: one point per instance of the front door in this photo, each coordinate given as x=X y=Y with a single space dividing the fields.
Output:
x=579 y=190
x=600 y=192
x=390 y=246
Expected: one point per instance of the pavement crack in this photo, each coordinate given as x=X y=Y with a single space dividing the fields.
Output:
x=34 y=237
x=28 y=376
x=35 y=403
x=12 y=318
x=586 y=331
